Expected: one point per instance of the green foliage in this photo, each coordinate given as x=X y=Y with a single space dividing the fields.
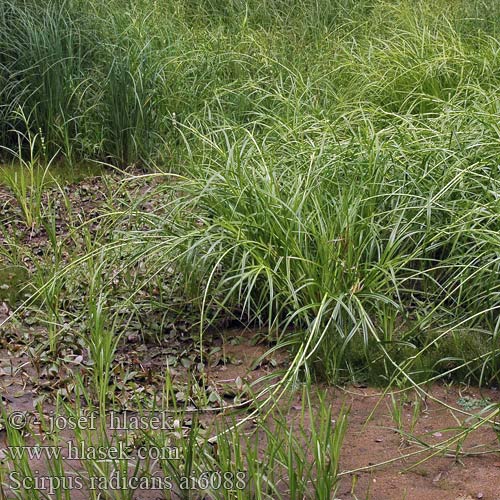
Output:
x=325 y=170
x=338 y=158
x=104 y=80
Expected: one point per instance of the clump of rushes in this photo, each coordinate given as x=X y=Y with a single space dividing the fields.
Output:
x=329 y=239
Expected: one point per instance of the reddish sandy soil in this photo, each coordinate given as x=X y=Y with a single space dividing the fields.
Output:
x=442 y=477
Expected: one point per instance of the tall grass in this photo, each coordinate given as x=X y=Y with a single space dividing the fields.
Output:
x=332 y=239
x=103 y=80
x=339 y=162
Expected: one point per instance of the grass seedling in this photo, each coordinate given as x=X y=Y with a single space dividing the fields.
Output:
x=27 y=178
